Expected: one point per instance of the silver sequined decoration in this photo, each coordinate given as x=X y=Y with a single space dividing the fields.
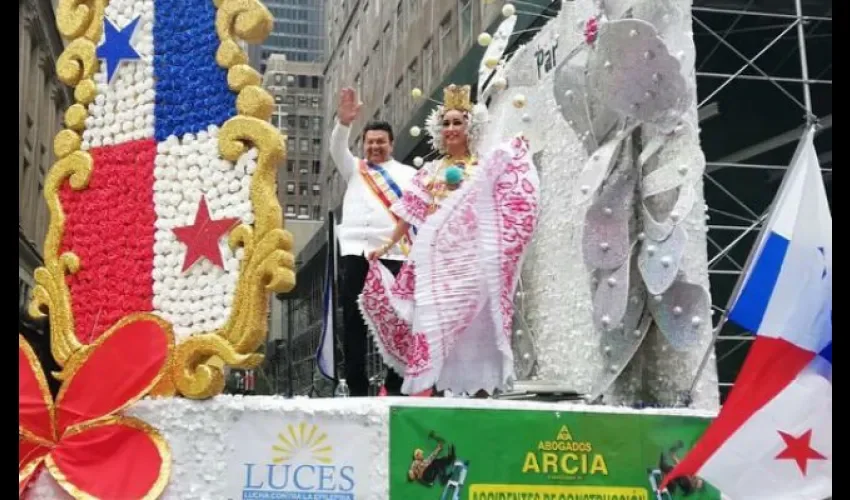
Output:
x=659 y=229
x=559 y=299
x=606 y=228
x=611 y=297
x=680 y=313
x=633 y=72
x=597 y=168
x=659 y=260
x=591 y=121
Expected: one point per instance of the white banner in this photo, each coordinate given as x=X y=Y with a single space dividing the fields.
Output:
x=276 y=457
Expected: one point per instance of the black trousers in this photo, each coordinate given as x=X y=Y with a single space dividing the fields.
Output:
x=355 y=332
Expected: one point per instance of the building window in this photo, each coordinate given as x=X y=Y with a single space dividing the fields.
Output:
x=447 y=42
x=348 y=50
x=290 y=100
x=317 y=212
x=304 y=146
x=290 y=122
x=398 y=114
x=305 y=122
x=290 y=188
x=303 y=211
x=290 y=166
x=465 y=22
x=317 y=167
x=412 y=10
x=412 y=79
x=290 y=210
x=387 y=43
x=427 y=66
x=317 y=189
x=357 y=37
x=388 y=112
x=276 y=121
x=317 y=145
x=315 y=82
x=399 y=14
x=302 y=81
x=317 y=123
x=302 y=100
x=278 y=79
x=302 y=189
x=302 y=166
x=315 y=102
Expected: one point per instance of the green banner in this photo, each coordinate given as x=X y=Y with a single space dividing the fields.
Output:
x=459 y=454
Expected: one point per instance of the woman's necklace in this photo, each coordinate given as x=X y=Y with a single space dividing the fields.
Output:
x=448 y=176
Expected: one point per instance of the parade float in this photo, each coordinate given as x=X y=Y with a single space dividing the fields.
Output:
x=166 y=239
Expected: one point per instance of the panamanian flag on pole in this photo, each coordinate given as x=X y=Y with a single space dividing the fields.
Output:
x=773 y=436
x=169 y=198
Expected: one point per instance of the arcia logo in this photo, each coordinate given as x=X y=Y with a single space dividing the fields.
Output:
x=302 y=467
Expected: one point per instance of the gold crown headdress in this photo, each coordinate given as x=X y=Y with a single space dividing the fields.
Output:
x=457 y=98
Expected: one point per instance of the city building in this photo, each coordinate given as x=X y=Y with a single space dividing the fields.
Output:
x=254 y=53
x=41 y=106
x=297 y=91
x=298 y=31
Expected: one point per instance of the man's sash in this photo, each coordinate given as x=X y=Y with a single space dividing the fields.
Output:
x=387 y=191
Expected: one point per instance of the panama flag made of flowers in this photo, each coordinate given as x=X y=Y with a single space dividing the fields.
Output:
x=151 y=228
x=165 y=235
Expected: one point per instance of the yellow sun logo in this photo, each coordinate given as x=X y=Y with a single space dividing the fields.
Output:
x=304 y=442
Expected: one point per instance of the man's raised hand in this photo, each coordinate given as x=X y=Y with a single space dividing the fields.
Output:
x=349 y=106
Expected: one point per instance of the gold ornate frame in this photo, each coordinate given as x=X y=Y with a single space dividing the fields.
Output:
x=268 y=265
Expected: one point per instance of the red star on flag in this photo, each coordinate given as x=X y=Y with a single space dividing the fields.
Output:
x=799 y=449
x=201 y=238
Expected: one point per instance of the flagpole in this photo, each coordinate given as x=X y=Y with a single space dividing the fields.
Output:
x=741 y=277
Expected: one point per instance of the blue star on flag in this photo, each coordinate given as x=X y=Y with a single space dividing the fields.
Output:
x=116 y=46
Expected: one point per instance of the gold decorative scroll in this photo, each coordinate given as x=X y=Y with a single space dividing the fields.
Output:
x=268 y=265
x=80 y=21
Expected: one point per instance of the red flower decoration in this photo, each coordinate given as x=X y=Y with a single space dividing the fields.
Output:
x=88 y=448
x=591 y=30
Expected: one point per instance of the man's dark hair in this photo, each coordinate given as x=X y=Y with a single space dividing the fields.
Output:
x=379 y=125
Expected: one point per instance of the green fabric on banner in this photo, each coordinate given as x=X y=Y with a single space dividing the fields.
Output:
x=446 y=454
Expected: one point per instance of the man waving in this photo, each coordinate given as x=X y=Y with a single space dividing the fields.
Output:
x=373 y=184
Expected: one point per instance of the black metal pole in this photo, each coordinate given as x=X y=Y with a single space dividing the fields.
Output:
x=332 y=261
x=289 y=347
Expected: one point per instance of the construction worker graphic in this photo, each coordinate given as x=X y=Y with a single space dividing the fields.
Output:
x=441 y=466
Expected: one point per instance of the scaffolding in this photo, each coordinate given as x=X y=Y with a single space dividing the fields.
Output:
x=736 y=219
